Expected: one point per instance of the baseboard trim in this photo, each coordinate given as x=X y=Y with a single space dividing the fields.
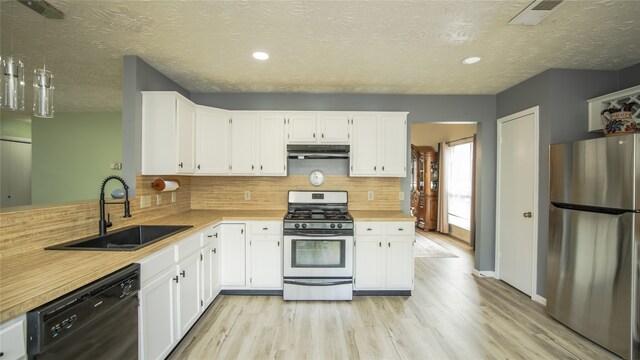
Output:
x=251 y=292
x=539 y=299
x=479 y=273
x=382 y=293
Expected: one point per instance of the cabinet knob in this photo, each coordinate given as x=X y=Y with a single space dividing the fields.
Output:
x=528 y=214
x=183 y=273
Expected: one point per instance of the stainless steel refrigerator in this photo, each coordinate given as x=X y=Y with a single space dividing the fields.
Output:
x=594 y=240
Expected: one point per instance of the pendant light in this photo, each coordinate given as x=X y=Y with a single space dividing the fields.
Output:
x=12 y=91
x=43 y=84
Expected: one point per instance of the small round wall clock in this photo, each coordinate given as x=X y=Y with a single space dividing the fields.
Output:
x=316 y=178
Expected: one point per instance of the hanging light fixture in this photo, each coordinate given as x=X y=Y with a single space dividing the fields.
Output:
x=12 y=96
x=43 y=84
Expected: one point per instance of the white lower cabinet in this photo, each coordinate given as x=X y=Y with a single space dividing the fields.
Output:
x=174 y=292
x=383 y=256
x=233 y=263
x=265 y=262
x=13 y=339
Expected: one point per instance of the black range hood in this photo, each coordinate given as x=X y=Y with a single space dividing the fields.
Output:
x=318 y=151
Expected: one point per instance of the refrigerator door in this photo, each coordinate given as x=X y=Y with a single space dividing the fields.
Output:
x=600 y=172
x=589 y=277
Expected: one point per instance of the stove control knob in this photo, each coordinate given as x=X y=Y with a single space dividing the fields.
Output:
x=332 y=225
x=339 y=226
x=304 y=226
x=297 y=226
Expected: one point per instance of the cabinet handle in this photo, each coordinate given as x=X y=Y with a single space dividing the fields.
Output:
x=209 y=236
x=198 y=166
x=323 y=135
x=314 y=135
x=251 y=167
x=375 y=168
x=400 y=229
x=380 y=244
x=389 y=244
x=214 y=250
x=241 y=231
x=176 y=279
x=180 y=165
x=260 y=167
x=382 y=167
x=368 y=229
x=215 y=235
x=266 y=228
x=183 y=273
x=278 y=242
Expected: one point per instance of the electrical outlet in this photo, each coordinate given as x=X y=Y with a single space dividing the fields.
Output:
x=158 y=199
x=247 y=195
x=116 y=166
x=401 y=196
x=370 y=195
x=145 y=201
x=174 y=197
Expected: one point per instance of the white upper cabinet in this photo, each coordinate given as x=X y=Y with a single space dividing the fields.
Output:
x=301 y=128
x=168 y=120
x=213 y=145
x=271 y=150
x=243 y=143
x=318 y=128
x=379 y=145
x=334 y=129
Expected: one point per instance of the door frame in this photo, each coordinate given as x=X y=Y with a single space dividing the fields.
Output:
x=535 y=111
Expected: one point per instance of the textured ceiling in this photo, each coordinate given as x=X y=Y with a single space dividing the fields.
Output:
x=316 y=46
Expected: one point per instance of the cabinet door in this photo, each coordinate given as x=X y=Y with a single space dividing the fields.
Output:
x=159 y=153
x=188 y=304
x=369 y=263
x=12 y=339
x=334 y=129
x=302 y=129
x=232 y=262
x=185 y=118
x=364 y=151
x=399 y=262
x=243 y=139
x=272 y=151
x=266 y=262
x=392 y=135
x=157 y=316
x=212 y=141
x=215 y=264
x=206 y=275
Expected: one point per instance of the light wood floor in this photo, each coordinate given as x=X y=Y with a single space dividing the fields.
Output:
x=451 y=315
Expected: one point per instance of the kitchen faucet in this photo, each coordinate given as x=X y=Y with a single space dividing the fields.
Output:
x=104 y=224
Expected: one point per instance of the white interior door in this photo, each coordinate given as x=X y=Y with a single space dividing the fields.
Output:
x=516 y=200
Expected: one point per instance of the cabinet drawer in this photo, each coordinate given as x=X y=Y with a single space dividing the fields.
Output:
x=399 y=228
x=12 y=339
x=368 y=228
x=266 y=228
x=155 y=263
x=187 y=247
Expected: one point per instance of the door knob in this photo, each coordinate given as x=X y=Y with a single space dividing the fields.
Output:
x=527 y=214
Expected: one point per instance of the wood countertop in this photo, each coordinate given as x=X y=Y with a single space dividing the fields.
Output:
x=373 y=215
x=34 y=278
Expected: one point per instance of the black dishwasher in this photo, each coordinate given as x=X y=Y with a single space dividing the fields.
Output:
x=97 y=321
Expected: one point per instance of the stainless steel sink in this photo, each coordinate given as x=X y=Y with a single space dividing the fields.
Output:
x=126 y=239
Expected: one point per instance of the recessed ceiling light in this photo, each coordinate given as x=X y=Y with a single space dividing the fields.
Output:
x=471 y=60
x=260 y=55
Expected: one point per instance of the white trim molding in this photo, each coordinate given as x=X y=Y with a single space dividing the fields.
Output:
x=539 y=299
x=479 y=273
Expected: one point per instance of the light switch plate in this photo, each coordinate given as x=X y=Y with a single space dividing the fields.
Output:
x=145 y=201
x=247 y=195
x=370 y=195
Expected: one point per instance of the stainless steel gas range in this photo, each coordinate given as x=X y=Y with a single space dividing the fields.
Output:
x=318 y=247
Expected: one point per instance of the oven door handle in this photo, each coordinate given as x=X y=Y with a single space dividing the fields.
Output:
x=319 y=283
x=306 y=234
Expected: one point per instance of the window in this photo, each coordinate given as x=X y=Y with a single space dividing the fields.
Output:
x=459 y=184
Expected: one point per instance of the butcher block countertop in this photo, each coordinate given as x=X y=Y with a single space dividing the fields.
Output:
x=34 y=278
x=366 y=215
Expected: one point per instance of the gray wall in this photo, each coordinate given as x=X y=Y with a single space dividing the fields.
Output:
x=138 y=76
x=629 y=77
x=422 y=109
x=561 y=96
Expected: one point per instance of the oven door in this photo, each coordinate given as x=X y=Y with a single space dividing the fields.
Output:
x=318 y=255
